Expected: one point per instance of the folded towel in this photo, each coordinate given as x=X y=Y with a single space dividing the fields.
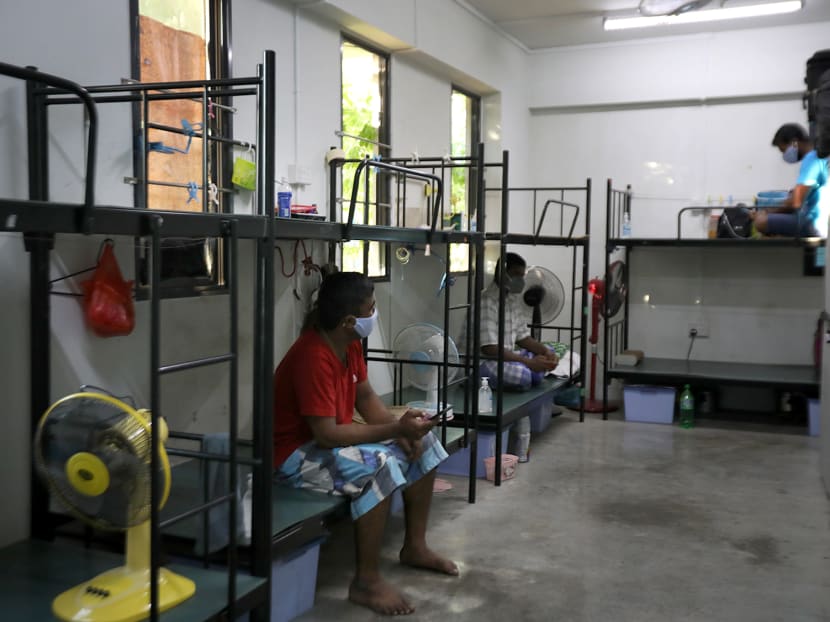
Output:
x=218 y=476
x=629 y=358
x=563 y=369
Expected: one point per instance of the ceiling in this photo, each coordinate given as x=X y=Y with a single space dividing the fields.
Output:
x=541 y=24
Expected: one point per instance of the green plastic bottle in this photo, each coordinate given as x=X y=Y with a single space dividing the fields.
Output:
x=687 y=408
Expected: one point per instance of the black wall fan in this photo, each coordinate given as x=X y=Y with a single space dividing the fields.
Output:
x=607 y=298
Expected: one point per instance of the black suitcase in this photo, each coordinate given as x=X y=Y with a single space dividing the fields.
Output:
x=817 y=64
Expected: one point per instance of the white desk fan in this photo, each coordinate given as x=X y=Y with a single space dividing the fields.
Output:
x=423 y=345
x=545 y=295
x=93 y=451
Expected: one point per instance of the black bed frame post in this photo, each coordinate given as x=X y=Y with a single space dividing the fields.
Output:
x=333 y=215
x=39 y=247
x=627 y=271
x=499 y=403
x=610 y=220
x=263 y=397
x=476 y=312
x=586 y=320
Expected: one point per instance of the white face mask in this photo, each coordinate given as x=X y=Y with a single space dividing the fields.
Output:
x=790 y=154
x=516 y=284
x=363 y=326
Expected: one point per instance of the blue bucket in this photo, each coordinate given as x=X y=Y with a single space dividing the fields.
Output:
x=771 y=198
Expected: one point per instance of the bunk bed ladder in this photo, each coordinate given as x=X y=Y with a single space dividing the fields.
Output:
x=158 y=370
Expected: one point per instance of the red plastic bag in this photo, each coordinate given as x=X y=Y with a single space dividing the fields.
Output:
x=108 y=298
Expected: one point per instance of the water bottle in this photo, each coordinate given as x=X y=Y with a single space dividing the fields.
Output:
x=284 y=199
x=247 y=509
x=626 y=225
x=485 y=397
x=687 y=408
x=523 y=439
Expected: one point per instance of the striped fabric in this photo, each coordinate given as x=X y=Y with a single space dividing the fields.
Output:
x=367 y=474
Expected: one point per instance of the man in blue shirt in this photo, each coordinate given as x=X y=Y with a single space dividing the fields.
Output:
x=805 y=212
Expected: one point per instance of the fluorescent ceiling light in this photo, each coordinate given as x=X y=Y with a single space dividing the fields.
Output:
x=698 y=17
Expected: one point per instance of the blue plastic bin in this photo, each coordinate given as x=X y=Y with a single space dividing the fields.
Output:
x=814 y=417
x=458 y=463
x=294 y=581
x=769 y=198
x=541 y=416
x=649 y=404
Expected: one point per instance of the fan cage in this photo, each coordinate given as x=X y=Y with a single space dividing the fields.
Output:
x=115 y=434
x=554 y=299
x=420 y=365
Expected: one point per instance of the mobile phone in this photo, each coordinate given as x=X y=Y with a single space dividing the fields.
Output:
x=428 y=414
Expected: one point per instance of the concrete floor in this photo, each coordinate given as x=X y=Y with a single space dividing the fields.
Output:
x=614 y=521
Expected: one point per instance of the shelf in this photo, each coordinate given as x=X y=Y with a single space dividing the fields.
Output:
x=515 y=404
x=543 y=240
x=718 y=242
x=673 y=371
x=328 y=231
x=48 y=217
x=43 y=217
x=34 y=572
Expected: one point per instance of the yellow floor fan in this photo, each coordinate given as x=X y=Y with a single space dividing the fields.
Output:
x=93 y=451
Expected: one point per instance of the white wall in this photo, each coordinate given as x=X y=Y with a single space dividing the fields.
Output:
x=685 y=120
x=450 y=47
x=27 y=39
x=434 y=44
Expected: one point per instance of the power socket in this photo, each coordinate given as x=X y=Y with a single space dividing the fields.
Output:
x=699 y=329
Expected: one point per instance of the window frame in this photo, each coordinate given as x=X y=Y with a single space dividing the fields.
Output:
x=219 y=54
x=474 y=128
x=382 y=181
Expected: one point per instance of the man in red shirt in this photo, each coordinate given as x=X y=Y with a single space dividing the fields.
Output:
x=317 y=387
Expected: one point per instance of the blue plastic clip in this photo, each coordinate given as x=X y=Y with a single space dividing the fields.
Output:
x=192 y=191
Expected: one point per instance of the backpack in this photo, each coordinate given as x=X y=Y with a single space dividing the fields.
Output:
x=821 y=108
x=735 y=222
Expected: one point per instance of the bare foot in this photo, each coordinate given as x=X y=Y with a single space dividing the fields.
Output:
x=427 y=559
x=379 y=596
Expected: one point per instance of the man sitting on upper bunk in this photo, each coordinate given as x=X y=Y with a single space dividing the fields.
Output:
x=806 y=209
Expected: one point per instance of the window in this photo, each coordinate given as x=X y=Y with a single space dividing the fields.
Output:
x=364 y=125
x=177 y=40
x=465 y=135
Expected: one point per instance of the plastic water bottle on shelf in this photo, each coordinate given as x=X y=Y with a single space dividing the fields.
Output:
x=283 y=199
x=687 y=408
x=485 y=397
x=247 y=515
x=626 y=225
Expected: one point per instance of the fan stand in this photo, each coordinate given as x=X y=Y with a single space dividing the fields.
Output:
x=122 y=594
x=592 y=404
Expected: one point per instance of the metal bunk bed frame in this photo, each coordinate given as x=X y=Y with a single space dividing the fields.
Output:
x=802 y=378
x=39 y=219
x=504 y=237
x=403 y=170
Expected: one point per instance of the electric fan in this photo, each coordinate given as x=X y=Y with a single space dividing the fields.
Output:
x=545 y=294
x=607 y=296
x=423 y=345
x=93 y=451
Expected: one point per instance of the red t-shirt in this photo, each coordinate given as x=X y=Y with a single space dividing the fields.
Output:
x=311 y=381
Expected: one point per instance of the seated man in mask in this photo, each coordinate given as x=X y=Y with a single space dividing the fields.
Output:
x=319 y=384
x=805 y=212
x=525 y=359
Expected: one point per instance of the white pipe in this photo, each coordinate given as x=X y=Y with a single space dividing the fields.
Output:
x=296 y=94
